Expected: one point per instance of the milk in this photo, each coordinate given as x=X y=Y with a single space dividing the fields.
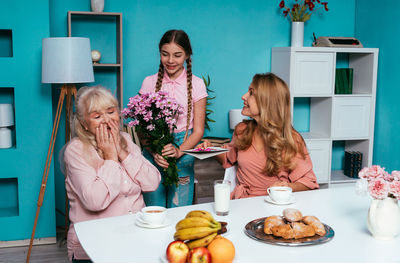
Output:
x=221 y=197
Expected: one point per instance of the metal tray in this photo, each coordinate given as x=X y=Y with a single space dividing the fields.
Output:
x=255 y=230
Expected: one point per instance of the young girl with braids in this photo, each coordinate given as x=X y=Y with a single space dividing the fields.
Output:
x=267 y=150
x=191 y=93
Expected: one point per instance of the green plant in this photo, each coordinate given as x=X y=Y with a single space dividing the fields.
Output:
x=207 y=82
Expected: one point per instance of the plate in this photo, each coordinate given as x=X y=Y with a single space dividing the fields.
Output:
x=269 y=200
x=255 y=230
x=207 y=150
x=139 y=221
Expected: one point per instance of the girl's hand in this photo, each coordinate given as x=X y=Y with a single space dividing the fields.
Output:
x=205 y=144
x=170 y=150
x=115 y=132
x=105 y=142
x=160 y=161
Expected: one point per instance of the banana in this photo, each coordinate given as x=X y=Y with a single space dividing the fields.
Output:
x=201 y=242
x=204 y=214
x=194 y=222
x=194 y=233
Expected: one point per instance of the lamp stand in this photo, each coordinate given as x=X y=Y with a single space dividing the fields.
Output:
x=67 y=90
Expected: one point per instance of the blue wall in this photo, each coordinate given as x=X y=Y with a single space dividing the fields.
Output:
x=22 y=166
x=231 y=41
x=382 y=31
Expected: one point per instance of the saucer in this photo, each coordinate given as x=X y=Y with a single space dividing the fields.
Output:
x=269 y=200
x=139 y=222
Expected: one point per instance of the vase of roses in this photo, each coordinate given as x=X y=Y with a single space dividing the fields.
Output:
x=299 y=13
x=154 y=116
x=384 y=212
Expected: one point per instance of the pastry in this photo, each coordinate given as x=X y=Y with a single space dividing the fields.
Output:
x=301 y=230
x=272 y=221
x=292 y=215
x=314 y=222
x=285 y=231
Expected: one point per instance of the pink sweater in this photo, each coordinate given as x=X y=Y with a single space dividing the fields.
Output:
x=252 y=181
x=100 y=188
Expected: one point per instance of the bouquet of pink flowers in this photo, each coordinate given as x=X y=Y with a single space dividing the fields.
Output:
x=154 y=116
x=380 y=184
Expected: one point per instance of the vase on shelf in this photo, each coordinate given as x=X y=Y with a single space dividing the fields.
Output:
x=297 y=37
x=384 y=218
x=97 y=5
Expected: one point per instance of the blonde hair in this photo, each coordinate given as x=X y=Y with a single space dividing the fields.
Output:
x=281 y=141
x=91 y=99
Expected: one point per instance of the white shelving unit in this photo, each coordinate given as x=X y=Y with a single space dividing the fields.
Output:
x=310 y=73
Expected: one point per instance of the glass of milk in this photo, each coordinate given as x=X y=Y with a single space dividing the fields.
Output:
x=222 y=192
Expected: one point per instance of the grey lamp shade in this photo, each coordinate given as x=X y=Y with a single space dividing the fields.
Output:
x=66 y=60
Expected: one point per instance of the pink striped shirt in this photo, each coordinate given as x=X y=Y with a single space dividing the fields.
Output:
x=178 y=89
x=100 y=188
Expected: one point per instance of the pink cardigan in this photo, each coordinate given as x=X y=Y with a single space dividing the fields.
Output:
x=252 y=181
x=100 y=188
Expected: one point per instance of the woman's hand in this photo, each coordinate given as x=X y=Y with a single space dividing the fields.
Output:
x=105 y=142
x=170 y=150
x=115 y=132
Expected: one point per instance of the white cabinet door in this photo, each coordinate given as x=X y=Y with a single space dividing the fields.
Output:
x=313 y=74
x=351 y=117
x=320 y=156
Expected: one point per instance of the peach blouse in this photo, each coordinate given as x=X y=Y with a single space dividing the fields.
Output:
x=252 y=181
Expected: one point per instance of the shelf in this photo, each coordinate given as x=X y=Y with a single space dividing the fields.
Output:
x=82 y=13
x=338 y=177
x=314 y=136
x=106 y=65
x=9 y=188
x=6 y=45
x=326 y=49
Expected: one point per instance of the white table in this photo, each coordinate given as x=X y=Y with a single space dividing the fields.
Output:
x=118 y=239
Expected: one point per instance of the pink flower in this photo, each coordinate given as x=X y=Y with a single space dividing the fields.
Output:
x=395 y=189
x=133 y=123
x=150 y=127
x=396 y=175
x=375 y=171
x=378 y=188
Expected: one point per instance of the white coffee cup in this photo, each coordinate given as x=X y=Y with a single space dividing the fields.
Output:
x=153 y=215
x=280 y=194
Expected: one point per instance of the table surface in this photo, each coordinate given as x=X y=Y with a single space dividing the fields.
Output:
x=119 y=239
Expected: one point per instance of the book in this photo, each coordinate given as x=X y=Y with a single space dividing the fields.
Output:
x=350 y=80
x=348 y=163
x=216 y=141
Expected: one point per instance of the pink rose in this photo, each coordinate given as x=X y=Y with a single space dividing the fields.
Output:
x=395 y=189
x=378 y=188
x=396 y=175
x=375 y=171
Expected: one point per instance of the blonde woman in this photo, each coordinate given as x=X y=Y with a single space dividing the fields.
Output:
x=105 y=171
x=267 y=150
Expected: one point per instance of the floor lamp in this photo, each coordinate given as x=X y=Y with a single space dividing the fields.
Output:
x=66 y=61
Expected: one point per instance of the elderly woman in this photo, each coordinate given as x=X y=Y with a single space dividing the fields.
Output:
x=105 y=171
x=267 y=150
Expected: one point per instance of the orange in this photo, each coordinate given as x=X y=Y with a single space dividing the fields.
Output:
x=222 y=250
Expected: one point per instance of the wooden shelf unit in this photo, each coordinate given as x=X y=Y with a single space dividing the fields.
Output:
x=119 y=52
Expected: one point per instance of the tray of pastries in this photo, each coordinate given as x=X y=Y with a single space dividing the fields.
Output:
x=289 y=229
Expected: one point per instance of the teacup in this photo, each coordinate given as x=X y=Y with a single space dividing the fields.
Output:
x=153 y=215
x=280 y=194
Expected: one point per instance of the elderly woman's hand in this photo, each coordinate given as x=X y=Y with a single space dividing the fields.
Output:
x=115 y=132
x=105 y=142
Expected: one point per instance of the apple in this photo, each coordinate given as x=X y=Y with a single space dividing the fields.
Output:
x=177 y=252
x=199 y=255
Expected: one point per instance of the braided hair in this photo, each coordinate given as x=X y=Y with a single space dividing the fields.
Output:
x=180 y=38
